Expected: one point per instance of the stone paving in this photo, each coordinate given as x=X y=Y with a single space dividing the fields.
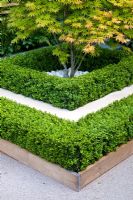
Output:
x=19 y=182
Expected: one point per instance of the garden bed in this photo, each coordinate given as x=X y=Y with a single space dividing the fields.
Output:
x=79 y=148
x=25 y=74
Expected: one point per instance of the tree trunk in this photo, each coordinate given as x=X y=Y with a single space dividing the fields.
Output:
x=66 y=73
x=72 y=73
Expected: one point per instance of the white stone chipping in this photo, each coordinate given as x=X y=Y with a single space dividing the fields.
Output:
x=74 y=115
x=61 y=73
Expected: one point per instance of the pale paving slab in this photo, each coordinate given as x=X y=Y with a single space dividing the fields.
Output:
x=19 y=182
x=74 y=115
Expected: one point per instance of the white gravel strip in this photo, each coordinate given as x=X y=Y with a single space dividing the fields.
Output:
x=19 y=182
x=61 y=73
x=74 y=115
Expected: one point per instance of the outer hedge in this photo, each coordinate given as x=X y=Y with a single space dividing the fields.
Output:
x=67 y=93
x=71 y=145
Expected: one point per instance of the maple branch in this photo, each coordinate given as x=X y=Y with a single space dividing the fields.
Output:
x=55 y=38
x=82 y=59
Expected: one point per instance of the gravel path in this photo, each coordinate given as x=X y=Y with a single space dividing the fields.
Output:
x=74 y=115
x=19 y=182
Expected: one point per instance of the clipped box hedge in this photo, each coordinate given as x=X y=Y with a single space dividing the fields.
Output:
x=72 y=145
x=23 y=74
x=42 y=59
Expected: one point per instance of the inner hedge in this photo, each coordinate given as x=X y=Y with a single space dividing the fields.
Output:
x=42 y=59
x=65 y=93
x=72 y=145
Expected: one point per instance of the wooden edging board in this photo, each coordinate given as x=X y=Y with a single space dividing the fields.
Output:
x=73 y=180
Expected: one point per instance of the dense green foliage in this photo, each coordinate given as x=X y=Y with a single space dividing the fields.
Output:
x=71 y=145
x=5 y=37
x=36 y=40
x=64 y=93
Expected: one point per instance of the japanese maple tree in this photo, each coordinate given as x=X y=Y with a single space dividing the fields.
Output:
x=77 y=26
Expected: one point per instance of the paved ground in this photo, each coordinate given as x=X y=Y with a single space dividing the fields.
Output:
x=19 y=182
